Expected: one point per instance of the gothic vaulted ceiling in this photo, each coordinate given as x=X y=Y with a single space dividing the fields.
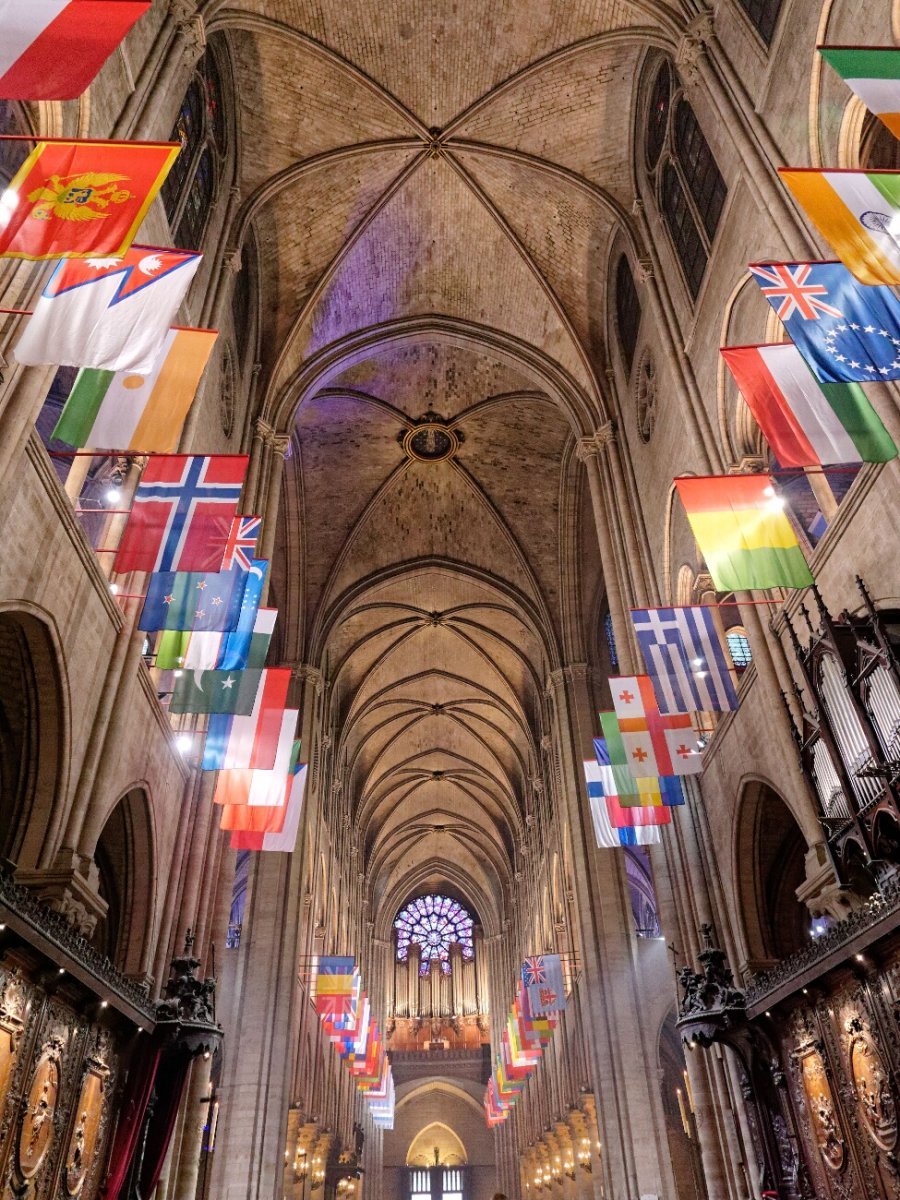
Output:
x=433 y=189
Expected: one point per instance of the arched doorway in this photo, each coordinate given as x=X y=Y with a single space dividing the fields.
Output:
x=31 y=736
x=440 y=1147
x=124 y=857
x=770 y=865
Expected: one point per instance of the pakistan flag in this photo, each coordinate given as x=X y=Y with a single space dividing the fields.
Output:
x=216 y=692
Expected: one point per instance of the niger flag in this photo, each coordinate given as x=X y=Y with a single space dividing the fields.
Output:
x=81 y=199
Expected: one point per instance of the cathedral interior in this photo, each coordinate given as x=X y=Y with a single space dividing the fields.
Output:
x=471 y=266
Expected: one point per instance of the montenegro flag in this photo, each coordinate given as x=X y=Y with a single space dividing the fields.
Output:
x=81 y=199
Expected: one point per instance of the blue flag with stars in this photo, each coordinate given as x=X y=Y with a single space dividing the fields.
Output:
x=846 y=331
x=192 y=600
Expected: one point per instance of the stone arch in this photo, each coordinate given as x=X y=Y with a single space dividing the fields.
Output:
x=125 y=858
x=439 y=1137
x=34 y=736
x=769 y=866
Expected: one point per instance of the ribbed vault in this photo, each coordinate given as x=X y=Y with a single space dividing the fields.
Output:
x=433 y=198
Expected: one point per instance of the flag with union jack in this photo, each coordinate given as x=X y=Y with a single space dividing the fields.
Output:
x=542 y=976
x=846 y=331
x=241 y=545
x=182 y=513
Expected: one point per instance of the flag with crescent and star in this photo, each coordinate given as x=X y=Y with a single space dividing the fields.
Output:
x=846 y=331
x=215 y=691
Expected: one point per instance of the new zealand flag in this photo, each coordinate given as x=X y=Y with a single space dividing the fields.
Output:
x=846 y=331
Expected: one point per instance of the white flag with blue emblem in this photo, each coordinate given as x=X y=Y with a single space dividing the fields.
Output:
x=685 y=659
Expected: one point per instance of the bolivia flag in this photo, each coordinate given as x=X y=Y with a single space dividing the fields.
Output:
x=743 y=532
x=873 y=73
x=857 y=213
x=52 y=49
x=81 y=199
x=122 y=410
x=806 y=423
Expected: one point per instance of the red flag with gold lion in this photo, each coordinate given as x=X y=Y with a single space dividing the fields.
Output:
x=78 y=199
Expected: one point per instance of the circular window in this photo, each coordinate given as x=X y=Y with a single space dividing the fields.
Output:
x=430 y=442
x=645 y=397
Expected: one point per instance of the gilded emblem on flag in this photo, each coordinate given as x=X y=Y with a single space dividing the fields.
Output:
x=78 y=197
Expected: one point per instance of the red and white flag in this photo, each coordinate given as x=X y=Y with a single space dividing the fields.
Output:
x=110 y=313
x=238 y=743
x=263 y=788
x=182 y=513
x=52 y=49
x=283 y=824
x=656 y=744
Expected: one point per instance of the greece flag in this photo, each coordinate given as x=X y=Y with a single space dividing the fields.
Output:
x=685 y=659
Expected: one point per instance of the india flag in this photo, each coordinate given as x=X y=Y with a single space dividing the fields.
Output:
x=857 y=213
x=806 y=423
x=873 y=73
x=123 y=410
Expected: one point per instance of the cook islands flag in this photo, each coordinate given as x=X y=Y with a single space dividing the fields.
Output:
x=847 y=332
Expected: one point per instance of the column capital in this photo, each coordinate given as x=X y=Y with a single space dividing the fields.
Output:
x=307 y=674
x=692 y=48
x=592 y=444
x=262 y=429
x=643 y=269
x=190 y=27
x=280 y=443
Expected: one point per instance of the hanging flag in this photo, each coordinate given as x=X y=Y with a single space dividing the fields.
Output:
x=121 y=410
x=631 y=800
x=873 y=74
x=857 y=213
x=235 y=650
x=182 y=513
x=218 y=651
x=283 y=839
x=240 y=743
x=743 y=532
x=215 y=692
x=806 y=423
x=685 y=659
x=81 y=199
x=52 y=49
x=266 y=788
x=846 y=332
x=109 y=313
x=655 y=744
x=607 y=836
x=542 y=975
x=241 y=544
x=192 y=600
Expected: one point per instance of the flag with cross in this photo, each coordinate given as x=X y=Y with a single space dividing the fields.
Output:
x=655 y=744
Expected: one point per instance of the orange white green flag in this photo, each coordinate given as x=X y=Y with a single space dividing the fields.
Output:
x=743 y=532
x=857 y=213
x=80 y=199
x=873 y=73
x=122 y=410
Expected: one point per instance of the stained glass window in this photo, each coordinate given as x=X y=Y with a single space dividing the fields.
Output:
x=764 y=15
x=434 y=923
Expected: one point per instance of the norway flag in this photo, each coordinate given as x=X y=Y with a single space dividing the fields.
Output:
x=182 y=513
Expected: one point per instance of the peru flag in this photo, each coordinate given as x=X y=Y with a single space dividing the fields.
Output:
x=52 y=49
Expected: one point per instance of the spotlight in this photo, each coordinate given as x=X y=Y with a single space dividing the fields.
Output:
x=113 y=496
x=184 y=742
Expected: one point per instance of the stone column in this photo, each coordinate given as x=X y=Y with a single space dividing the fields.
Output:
x=620 y=1062
x=161 y=100
x=587 y=450
x=701 y=60
x=279 y=444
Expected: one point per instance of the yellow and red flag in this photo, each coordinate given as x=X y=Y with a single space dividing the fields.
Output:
x=79 y=199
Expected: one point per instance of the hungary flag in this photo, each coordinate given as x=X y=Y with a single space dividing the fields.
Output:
x=873 y=73
x=123 y=410
x=216 y=692
x=857 y=213
x=743 y=532
x=806 y=423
